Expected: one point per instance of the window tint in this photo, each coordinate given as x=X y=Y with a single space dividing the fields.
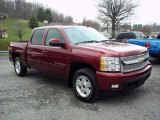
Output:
x=53 y=33
x=126 y=36
x=37 y=37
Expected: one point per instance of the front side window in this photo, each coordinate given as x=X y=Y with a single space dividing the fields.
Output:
x=37 y=37
x=82 y=34
x=53 y=33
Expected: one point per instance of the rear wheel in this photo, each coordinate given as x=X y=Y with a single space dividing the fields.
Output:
x=85 y=85
x=20 y=69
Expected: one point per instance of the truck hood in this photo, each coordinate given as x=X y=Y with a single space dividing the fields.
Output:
x=114 y=49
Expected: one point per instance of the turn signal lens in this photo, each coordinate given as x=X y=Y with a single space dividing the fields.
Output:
x=109 y=64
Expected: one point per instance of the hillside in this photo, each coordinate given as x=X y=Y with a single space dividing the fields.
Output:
x=9 y=25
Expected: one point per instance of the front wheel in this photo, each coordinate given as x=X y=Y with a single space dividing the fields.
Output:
x=20 y=69
x=85 y=85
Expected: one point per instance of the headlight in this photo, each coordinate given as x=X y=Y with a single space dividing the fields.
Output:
x=110 y=64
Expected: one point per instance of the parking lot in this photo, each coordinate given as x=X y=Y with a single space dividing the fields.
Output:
x=41 y=97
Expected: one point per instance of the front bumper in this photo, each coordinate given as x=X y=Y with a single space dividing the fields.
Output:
x=123 y=80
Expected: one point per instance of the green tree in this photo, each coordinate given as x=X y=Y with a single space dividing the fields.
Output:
x=41 y=14
x=33 y=22
x=68 y=19
x=48 y=15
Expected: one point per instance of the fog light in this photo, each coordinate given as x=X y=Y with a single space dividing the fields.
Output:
x=115 y=86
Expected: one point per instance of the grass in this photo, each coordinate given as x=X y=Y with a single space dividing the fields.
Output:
x=9 y=24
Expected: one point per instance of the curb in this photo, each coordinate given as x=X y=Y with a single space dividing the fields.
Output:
x=3 y=51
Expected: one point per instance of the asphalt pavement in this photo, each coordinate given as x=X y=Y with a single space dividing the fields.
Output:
x=41 y=97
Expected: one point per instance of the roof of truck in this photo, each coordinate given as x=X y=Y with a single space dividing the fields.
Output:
x=58 y=26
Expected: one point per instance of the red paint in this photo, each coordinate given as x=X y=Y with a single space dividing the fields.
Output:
x=147 y=45
x=58 y=60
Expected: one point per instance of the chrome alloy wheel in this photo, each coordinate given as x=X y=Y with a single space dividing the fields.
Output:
x=83 y=86
x=17 y=67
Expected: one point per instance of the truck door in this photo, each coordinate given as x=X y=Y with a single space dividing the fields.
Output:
x=34 y=51
x=54 y=58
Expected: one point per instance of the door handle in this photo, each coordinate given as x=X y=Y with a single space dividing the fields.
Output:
x=44 y=51
x=30 y=49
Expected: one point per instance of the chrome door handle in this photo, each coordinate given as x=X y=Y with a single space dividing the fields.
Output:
x=44 y=51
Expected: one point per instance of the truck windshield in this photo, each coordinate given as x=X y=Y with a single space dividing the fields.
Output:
x=84 y=35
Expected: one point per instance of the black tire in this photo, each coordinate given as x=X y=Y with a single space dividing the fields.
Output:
x=91 y=78
x=22 y=70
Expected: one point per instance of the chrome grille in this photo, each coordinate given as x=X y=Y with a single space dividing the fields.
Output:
x=133 y=63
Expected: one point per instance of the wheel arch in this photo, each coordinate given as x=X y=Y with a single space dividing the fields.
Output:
x=74 y=66
x=14 y=55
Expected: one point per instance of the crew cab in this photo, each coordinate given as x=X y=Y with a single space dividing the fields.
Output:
x=83 y=57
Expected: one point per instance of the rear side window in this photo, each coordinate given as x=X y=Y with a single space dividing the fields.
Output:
x=142 y=35
x=126 y=36
x=53 y=33
x=138 y=35
x=37 y=37
x=158 y=37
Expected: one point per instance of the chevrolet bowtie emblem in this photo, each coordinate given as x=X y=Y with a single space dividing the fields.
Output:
x=141 y=60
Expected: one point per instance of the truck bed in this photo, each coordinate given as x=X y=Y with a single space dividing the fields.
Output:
x=18 y=47
x=154 y=45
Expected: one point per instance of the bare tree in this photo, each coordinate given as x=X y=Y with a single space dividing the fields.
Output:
x=113 y=12
x=2 y=5
x=146 y=30
x=125 y=27
x=19 y=30
x=68 y=19
x=91 y=23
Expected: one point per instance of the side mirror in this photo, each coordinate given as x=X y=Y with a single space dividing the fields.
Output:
x=56 y=42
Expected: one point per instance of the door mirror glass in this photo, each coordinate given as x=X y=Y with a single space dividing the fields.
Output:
x=56 y=42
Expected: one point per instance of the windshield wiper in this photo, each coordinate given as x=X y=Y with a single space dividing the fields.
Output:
x=89 y=41
x=104 y=40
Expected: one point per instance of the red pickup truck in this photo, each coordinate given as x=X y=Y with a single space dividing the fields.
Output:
x=84 y=58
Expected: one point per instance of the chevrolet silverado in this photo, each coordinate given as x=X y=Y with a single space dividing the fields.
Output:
x=83 y=57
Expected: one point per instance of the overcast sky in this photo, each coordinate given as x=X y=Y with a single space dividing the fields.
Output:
x=148 y=11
